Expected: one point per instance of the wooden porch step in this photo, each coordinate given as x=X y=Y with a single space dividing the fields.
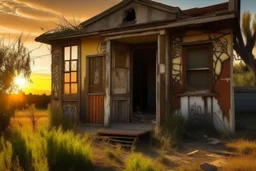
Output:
x=121 y=141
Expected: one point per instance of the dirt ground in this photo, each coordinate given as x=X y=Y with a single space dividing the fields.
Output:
x=205 y=153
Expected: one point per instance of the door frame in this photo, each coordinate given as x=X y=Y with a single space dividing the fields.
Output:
x=133 y=48
x=87 y=93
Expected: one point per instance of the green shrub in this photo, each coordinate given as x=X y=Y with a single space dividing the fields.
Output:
x=136 y=162
x=5 y=155
x=175 y=126
x=66 y=151
x=168 y=136
x=57 y=120
x=5 y=113
x=7 y=163
x=31 y=150
x=56 y=117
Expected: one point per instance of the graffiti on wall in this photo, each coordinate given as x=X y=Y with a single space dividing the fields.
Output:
x=198 y=115
x=55 y=73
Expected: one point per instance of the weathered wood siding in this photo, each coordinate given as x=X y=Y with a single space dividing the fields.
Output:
x=144 y=14
x=95 y=113
x=120 y=111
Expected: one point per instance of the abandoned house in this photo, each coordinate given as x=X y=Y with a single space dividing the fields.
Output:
x=144 y=58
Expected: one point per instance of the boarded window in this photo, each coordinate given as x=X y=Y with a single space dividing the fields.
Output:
x=96 y=74
x=197 y=63
x=70 y=70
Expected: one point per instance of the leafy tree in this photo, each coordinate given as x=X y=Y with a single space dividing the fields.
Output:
x=242 y=75
x=14 y=60
x=245 y=41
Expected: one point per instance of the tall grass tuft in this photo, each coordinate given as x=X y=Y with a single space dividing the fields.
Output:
x=170 y=134
x=136 y=162
x=66 y=151
x=30 y=150
x=5 y=155
x=244 y=147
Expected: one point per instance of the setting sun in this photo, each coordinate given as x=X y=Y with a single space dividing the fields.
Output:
x=21 y=82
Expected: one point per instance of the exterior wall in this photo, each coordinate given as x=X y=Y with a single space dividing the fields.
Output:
x=57 y=54
x=216 y=106
x=143 y=14
x=69 y=104
x=89 y=46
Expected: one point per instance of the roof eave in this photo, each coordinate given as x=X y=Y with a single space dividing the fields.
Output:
x=172 y=24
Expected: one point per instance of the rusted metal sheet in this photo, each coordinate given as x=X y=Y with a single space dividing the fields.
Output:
x=120 y=111
x=95 y=114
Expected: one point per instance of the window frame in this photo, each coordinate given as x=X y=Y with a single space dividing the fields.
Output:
x=185 y=49
x=70 y=70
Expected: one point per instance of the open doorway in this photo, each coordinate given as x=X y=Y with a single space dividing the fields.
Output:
x=144 y=84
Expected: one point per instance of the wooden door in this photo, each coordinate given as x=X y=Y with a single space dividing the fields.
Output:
x=120 y=87
x=95 y=97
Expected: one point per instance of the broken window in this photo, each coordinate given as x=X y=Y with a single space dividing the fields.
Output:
x=129 y=16
x=198 y=70
x=70 y=69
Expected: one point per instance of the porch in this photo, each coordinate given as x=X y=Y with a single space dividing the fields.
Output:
x=124 y=134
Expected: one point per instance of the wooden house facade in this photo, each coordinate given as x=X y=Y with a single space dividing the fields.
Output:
x=147 y=56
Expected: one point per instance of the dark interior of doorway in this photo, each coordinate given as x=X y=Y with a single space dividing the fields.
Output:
x=144 y=82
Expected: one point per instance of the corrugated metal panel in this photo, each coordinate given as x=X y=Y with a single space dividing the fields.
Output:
x=245 y=102
x=120 y=111
x=95 y=114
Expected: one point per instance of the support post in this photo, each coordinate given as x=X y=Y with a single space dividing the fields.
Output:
x=107 y=99
x=160 y=85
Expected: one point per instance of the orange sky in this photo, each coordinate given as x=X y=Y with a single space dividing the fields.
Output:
x=34 y=17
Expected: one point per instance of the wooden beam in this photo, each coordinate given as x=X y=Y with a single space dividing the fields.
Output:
x=130 y=35
x=107 y=100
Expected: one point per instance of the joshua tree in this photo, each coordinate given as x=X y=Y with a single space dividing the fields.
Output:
x=245 y=42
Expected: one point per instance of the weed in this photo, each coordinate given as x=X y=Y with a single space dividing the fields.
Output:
x=66 y=151
x=114 y=154
x=240 y=164
x=242 y=146
x=136 y=162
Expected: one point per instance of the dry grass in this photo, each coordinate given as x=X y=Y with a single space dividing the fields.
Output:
x=240 y=164
x=189 y=167
x=38 y=113
x=244 y=147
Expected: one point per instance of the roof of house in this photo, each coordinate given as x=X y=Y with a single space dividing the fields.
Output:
x=191 y=14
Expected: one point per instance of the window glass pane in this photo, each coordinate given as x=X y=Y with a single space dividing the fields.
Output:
x=73 y=88
x=66 y=66
x=74 y=66
x=67 y=53
x=67 y=88
x=74 y=52
x=67 y=78
x=198 y=80
x=73 y=77
x=198 y=58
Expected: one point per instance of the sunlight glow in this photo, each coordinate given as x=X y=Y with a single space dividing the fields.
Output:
x=21 y=82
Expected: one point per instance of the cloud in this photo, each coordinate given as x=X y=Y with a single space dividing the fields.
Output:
x=28 y=12
x=68 y=8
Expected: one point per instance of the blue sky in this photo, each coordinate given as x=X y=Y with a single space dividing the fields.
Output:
x=185 y=4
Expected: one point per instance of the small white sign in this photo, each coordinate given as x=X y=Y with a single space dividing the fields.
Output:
x=162 y=68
